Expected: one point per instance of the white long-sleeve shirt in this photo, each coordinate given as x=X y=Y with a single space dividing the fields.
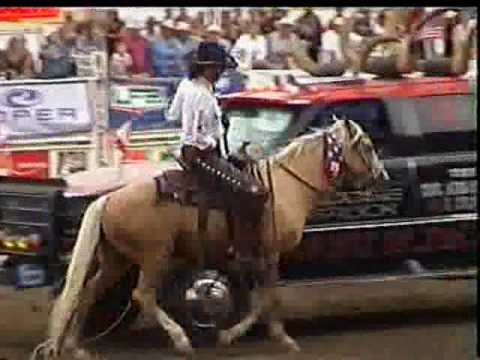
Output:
x=331 y=46
x=197 y=108
x=248 y=49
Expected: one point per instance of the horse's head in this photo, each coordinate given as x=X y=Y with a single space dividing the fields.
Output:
x=342 y=157
x=361 y=168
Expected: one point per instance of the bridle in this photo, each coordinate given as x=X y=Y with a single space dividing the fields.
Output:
x=358 y=136
x=356 y=140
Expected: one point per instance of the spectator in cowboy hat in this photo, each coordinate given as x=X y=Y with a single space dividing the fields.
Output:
x=151 y=31
x=214 y=34
x=280 y=43
x=187 y=43
x=184 y=32
x=166 y=52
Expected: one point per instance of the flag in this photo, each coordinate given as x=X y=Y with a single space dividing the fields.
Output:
x=122 y=136
x=333 y=157
x=430 y=32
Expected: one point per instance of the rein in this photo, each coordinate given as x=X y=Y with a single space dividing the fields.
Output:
x=308 y=184
x=299 y=178
x=272 y=201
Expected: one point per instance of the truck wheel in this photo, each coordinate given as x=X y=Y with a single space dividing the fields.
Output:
x=111 y=307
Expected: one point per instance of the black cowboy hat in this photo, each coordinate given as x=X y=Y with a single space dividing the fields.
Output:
x=211 y=53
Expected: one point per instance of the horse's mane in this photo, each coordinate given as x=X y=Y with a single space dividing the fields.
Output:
x=299 y=145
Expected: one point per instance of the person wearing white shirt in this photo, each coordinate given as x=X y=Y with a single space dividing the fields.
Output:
x=198 y=109
x=332 y=42
x=280 y=43
x=251 y=48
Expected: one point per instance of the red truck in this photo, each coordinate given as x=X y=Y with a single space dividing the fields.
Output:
x=423 y=224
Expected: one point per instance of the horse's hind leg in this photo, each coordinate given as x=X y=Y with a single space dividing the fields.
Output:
x=145 y=294
x=112 y=267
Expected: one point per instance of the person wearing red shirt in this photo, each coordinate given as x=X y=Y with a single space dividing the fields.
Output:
x=139 y=48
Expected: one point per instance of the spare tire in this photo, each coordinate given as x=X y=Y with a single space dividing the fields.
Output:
x=386 y=67
x=304 y=62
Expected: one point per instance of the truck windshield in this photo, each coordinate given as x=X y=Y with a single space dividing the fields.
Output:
x=263 y=126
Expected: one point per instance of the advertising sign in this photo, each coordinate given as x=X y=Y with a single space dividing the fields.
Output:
x=30 y=164
x=47 y=108
x=70 y=162
x=133 y=156
x=29 y=14
x=146 y=103
x=5 y=163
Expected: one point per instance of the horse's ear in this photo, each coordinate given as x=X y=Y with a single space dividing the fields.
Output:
x=349 y=127
x=335 y=118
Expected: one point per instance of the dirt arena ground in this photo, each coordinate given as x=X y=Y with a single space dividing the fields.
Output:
x=423 y=319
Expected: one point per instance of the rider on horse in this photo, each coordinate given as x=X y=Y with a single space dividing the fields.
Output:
x=203 y=152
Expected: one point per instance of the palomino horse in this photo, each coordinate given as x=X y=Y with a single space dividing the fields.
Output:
x=139 y=229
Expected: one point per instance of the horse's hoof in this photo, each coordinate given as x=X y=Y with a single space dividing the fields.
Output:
x=50 y=353
x=292 y=346
x=82 y=354
x=224 y=338
x=184 y=348
x=143 y=322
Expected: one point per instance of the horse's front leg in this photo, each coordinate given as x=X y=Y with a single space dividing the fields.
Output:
x=276 y=329
x=265 y=301
x=226 y=337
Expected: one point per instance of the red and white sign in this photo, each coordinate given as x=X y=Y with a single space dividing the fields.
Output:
x=5 y=163
x=30 y=164
x=14 y=14
x=135 y=156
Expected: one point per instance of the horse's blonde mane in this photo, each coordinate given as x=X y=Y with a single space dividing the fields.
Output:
x=301 y=144
x=297 y=146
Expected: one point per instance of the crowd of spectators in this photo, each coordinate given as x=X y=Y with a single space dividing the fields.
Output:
x=258 y=39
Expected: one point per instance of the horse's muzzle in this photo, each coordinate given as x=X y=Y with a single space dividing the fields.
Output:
x=379 y=179
x=384 y=174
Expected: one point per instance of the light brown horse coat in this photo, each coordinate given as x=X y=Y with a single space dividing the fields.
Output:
x=140 y=230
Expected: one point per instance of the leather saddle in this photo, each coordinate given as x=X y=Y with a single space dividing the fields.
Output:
x=183 y=186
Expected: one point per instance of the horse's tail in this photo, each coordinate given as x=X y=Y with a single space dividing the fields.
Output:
x=83 y=253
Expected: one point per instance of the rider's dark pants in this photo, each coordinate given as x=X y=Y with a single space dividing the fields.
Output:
x=241 y=191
